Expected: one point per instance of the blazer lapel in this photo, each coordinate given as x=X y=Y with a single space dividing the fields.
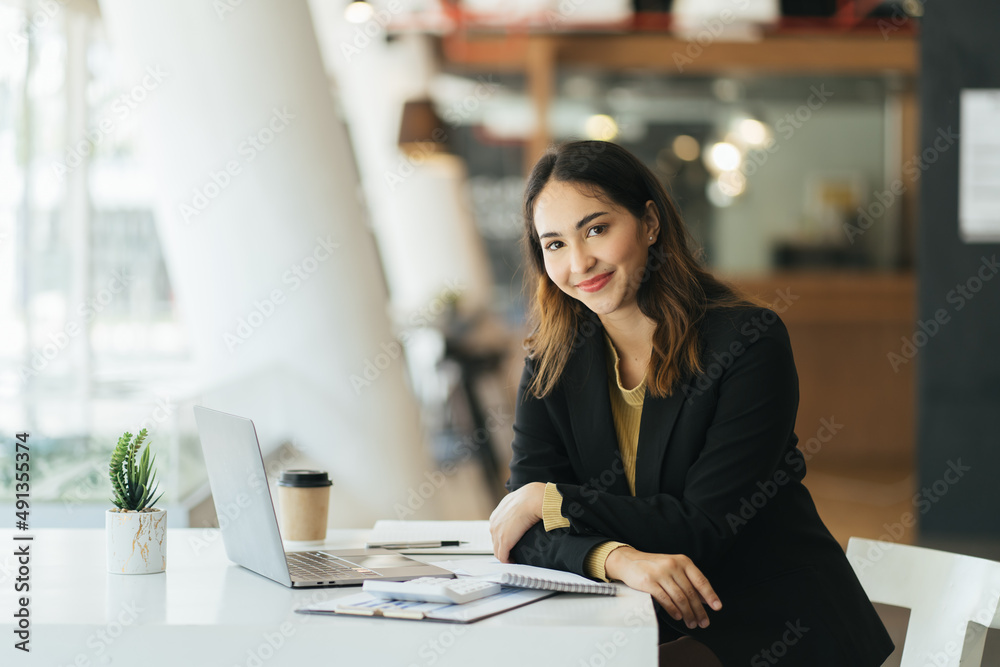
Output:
x=655 y=425
x=589 y=404
x=593 y=423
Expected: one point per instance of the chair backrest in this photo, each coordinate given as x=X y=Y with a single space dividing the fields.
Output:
x=952 y=598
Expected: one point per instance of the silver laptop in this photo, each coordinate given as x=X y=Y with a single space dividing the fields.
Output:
x=250 y=528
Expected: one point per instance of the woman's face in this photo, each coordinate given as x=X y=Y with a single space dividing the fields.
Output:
x=595 y=252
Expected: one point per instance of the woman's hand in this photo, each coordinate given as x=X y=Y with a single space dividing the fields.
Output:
x=512 y=518
x=672 y=579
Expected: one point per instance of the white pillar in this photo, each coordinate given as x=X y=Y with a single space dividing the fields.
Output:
x=267 y=242
x=421 y=214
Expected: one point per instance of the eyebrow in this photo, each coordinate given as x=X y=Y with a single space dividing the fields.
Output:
x=580 y=224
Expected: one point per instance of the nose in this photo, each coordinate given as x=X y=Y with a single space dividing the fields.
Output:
x=581 y=261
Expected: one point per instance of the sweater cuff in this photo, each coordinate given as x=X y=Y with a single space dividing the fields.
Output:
x=552 y=509
x=598 y=556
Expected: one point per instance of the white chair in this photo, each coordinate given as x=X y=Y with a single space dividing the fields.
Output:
x=952 y=598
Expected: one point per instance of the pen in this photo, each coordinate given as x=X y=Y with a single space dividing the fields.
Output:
x=415 y=545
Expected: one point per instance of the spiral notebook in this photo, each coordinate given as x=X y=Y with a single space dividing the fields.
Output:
x=527 y=576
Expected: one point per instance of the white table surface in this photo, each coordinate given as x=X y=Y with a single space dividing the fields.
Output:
x=205 y=610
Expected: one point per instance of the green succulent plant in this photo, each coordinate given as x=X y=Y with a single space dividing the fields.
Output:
x=133 y=483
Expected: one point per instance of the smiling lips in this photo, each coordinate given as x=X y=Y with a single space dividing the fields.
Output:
x=596 y=283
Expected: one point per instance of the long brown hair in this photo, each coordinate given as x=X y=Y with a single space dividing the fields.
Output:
x=675 y=292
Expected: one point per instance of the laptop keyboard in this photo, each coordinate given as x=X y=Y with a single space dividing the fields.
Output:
x=321 y=566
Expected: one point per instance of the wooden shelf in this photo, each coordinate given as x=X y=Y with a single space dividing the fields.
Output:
x=782 y=55
x=539 y=55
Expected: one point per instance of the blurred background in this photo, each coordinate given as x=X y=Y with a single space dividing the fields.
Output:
x=308 y=214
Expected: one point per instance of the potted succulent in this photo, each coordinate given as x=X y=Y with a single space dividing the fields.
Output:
x=136 y=530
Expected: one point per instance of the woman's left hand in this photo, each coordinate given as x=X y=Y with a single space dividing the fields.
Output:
x=512 y=518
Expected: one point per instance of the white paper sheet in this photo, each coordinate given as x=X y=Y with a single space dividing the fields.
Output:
x=979 y=166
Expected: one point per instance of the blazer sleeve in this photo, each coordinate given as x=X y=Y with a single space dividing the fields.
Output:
x=748 y=448
x=539 y=455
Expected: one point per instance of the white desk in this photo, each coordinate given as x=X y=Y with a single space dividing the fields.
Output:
x=205 y=610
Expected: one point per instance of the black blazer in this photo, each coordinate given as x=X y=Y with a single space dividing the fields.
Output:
x=718 y=478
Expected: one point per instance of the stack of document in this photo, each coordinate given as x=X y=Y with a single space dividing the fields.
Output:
x=520 y=585
x=365 y=604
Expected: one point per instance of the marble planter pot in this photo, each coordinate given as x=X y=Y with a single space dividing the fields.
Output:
x=137 y=541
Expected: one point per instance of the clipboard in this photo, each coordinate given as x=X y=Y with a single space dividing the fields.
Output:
x=365 y=604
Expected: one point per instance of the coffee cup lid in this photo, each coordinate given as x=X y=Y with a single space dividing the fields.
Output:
x=304 y=478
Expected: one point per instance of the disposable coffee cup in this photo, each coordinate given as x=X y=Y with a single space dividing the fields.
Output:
x=304 y=502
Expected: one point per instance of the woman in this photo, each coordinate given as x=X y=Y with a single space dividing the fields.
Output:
x=653 y=434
